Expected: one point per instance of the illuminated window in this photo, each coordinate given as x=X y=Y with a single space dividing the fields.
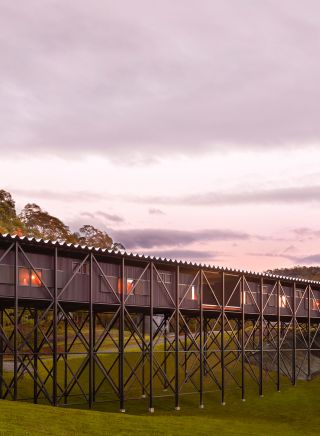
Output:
x=130 y=284
x=315 y=304
x=36 y=278
x=193 y=293
x=24 y=277
x=283 y=302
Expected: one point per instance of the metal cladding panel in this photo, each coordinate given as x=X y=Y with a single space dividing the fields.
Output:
x=302 y=301
x=106 y=283
x=189 y=290
x=78 y=289
x=163 y=288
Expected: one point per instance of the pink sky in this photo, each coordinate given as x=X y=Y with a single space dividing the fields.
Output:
x=186 y=130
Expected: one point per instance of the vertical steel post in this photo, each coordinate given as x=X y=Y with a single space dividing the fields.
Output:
x=205 y=338
x=165 y=353
x=151 y=408
x=93 y=357
x=35 y=355
x=65 y=359
x=121 y=338
x=55 y=323
x=16 y=317
x=278 y=335
x=309 y=332
x=185 y=353
x=261 y=339
x=91 y=339
x=222 y=342
x=143 y=355
x=177 y=331
x=1 y=352
x=201 y=340
x=294 y=337
x=243 y=344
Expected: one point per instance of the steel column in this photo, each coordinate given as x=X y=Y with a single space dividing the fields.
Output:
x=65 y=359
x=91 y=337
x=278 y=335
x=294 y=337
x=222 y=342
x=55 y=323
x=35 y=355
x=1 y=352
x=243 y=355
x=16 y=317
x=143 y=327
x=177 y=338
x=261 y=339
x=94 y=357
x=201 y=340
x=121 y=339
x=165 y=353
x=309 y=332
x=151 y=408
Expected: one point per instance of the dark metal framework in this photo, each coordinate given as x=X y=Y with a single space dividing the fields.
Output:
x=63 y=352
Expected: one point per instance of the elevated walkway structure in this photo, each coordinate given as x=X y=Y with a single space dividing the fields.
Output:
x=80 y=324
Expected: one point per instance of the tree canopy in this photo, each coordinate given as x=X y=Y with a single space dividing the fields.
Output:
x=38 y=223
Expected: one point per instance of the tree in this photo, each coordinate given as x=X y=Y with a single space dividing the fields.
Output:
x=40 y=224
x=89 y=235
x=9 y=221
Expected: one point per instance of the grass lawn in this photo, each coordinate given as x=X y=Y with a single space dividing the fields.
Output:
x=294 y=411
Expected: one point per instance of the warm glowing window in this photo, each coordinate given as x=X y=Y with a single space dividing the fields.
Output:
x=283 y=302
x=36 y=278
x=193 y=293
x=24 y=277
x=130 y=284
x=315 y=304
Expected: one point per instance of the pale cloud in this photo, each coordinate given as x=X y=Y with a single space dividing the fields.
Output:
x=150 y=79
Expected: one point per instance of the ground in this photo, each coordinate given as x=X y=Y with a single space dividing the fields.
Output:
x=293 y=411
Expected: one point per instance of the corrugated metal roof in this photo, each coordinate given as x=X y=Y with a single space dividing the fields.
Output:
x=129 y=254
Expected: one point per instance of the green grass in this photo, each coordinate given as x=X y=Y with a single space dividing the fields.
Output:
x=294 y=411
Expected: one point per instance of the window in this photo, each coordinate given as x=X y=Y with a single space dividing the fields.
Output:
x=24 y=277
x=36 y=278
x=165 y=277
x=83 y=270
x=130 y=284
x=315 y=304
x=28 y=277
x=194 y=296
x=283 y=302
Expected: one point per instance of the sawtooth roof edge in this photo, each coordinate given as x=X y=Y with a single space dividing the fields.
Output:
x=41 y=241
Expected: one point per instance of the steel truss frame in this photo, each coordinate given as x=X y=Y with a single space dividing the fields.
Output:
x=70 y=354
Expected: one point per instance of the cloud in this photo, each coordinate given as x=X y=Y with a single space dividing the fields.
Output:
x=154 y=211
x=151 y=79
x=150 y=238
x=106 y=216
x=291 y=195
x=305 y=233
x=189 y=255
x=309 y=260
